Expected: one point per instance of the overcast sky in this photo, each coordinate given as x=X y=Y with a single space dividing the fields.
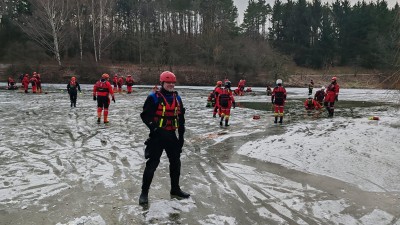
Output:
x=242 y=5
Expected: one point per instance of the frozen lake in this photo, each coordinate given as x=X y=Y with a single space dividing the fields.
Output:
x=58 y=166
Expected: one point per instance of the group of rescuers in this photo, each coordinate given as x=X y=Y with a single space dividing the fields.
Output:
x=164 y=114
x=221 y=98
x=25 y=80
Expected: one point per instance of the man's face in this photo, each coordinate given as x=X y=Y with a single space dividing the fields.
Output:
x=169 y=86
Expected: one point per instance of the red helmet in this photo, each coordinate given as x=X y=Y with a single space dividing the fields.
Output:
x=73 y=78
x=334 y=78
x=105 y=76
x=219 y=83
x=167 y=76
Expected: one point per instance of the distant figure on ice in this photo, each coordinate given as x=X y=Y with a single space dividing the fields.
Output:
x=278 y=99
x=11 y=84
x=163 y=113
x=33 y=82
x=269 y=90
x=332 y=95
x=129 y=83
x=38 y=82
x=155 y=89
x=73 y=87
x=320 y=95
x=217 y=91
x=120 y=83
x=310 y=87
x=101 y=91
x=226 y=101
x=115 y=82
x=211 y=100
x=25 y=82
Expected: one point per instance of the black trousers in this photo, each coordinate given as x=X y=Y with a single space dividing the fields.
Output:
x=73 y=97
x=159 y=141
x=103 y=102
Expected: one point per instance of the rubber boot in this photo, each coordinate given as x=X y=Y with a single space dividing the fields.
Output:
x=226 y=123
x=220 y=122
x=98 y=114
x=280 y=119
x=276 y=119
x=179 y=193
x=106 y=116
x=72 y=104
x=144 y=197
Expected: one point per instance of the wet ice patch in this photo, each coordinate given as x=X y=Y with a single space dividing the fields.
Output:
x=353 y=150
x=86 y=220
x=163 y=210
x=218 y=220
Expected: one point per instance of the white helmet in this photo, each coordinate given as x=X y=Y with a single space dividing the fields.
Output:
x=279 y=81
x=322 y=88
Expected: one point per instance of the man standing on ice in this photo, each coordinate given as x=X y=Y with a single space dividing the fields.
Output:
x=73 y=87
x=278 y=99
x=332 y=93
x=226 y=101
x=101 y=91
x=163 y=113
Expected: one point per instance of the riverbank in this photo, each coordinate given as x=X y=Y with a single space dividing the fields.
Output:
x=293 y=76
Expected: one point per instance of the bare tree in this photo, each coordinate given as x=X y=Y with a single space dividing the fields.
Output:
x=102 y=25
x=79 y=13
x=46 y=23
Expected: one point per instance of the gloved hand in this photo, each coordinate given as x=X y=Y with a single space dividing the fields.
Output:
x=234 y=104
x=113 y=99
x=153 y=131
x=336 y=99
x=273 y=102
x=94 y=98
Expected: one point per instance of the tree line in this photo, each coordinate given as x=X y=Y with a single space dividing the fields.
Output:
x=201 y=33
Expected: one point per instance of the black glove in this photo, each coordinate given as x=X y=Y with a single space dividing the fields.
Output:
x=234 y=104
x=336 y=98
x=113 y=99
x=153 y=130
x=94 y=98
x=273 y=102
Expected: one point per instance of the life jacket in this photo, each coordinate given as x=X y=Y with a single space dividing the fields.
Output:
x=129 y=81
x=279 y=94
x=102 y=88
x=72 y=86
x=224 y=98
x=166 y=116
x=310 y=104
x=33 y=81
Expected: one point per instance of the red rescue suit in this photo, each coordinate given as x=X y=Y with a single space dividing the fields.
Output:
x=311 y=104
x=225 y=102
x=217 y=108
x=33 y=82
x=102 y=89
x=129 y=83
x=25 y=83
x=120 y=83
x=278 y=98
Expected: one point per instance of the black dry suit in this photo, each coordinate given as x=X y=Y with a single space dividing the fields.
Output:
x=72 y=89
x=163 y=113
